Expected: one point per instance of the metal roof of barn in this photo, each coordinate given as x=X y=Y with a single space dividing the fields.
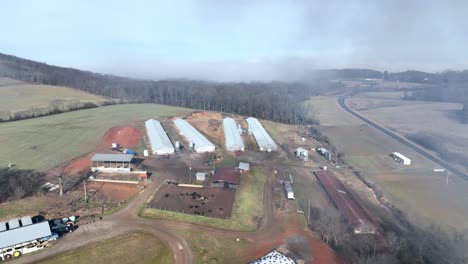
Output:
x=202 y=144
x=160 y=142
x=112 y=157
x=232 y=135
x=264 y=141
x=244 y=166
x=226 y=175
x=24 y=234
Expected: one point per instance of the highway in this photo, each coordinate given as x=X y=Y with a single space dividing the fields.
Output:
x=342 y=102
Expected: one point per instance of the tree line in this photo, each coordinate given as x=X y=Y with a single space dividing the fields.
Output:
x=17 y=184
x=276 y=101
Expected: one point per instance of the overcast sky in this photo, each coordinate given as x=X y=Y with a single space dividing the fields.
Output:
x=238 y=39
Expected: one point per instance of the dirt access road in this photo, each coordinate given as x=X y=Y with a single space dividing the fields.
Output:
x=124 y=221
x=127 y=220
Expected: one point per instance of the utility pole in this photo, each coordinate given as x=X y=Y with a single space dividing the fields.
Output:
x=446 y=179
x=60 y=185
x=85 y=193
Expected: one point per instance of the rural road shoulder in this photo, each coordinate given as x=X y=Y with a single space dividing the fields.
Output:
x=342 y=103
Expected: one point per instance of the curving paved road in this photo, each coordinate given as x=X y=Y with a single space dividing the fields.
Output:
x=342 y=102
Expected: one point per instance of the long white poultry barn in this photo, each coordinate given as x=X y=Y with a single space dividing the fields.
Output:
x=264 y=141
x=232 y=135
x=160 y=142
x=196 y=140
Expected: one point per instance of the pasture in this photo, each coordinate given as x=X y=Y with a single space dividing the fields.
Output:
x=128 y=248
x=42 y=142
x=23 y=96
x=439 y=121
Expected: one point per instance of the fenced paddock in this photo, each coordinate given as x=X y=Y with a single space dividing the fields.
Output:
x=211 y=202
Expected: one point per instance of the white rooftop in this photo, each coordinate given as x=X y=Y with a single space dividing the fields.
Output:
x=232 y=135
x=274 y=257
x=24 y=234
x=112 y=157
x=264 y=141
x=202 y=144
x=244 y=166
x=160 y=142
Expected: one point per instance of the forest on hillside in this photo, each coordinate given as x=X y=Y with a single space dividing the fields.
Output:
x=276 y=101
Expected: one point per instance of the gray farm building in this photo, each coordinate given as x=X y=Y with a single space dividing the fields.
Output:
x=232 y=135
x=264 y=141
x=196 y=140
x=112 y=163
x=160 y=142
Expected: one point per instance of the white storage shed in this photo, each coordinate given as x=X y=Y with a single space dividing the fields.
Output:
x=160 y=142
x=196 y=140
x=232 y=135
x=264 y=141
x=401 y=158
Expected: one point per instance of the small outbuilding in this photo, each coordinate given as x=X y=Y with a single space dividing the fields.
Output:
x=112 y=163
x=401 y=159
x=226 y=178
x=244 y=167
x=200 y=176
x=288 y=190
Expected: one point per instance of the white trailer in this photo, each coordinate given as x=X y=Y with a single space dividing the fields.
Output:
x=27 y=238
x=401 y=158
x=288 y=190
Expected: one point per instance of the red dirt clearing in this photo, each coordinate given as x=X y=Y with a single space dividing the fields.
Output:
x=126 y=136
x=321 y=252
x=117 y=192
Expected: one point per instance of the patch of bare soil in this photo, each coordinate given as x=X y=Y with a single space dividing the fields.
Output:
x=209 y=123
x=125 y=136
x=117 y=192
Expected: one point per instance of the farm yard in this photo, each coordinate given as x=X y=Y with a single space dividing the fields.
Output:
x=209 y=202
x=242 y=210
x=247 y=208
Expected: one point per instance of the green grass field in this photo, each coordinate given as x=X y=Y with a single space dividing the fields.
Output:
x=248 y=206
x=215 y=248
x=23 y=96
x=126 y=249
x=40 y=142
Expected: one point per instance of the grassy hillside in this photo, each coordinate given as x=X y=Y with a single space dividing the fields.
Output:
x=36 y=143
x=128 y=248
x=22 y=96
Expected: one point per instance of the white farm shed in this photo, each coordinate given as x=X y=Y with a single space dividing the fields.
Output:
x=160 y=142
x=264 y=141
x=401 y=159
x=200 y=176
x=200 y=143
x=232 y=135
x=288 y=190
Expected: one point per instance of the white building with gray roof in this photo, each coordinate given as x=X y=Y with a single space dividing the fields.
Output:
x=264 y=141
x=196 y=140
x=159 y=141
x=232 y=135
